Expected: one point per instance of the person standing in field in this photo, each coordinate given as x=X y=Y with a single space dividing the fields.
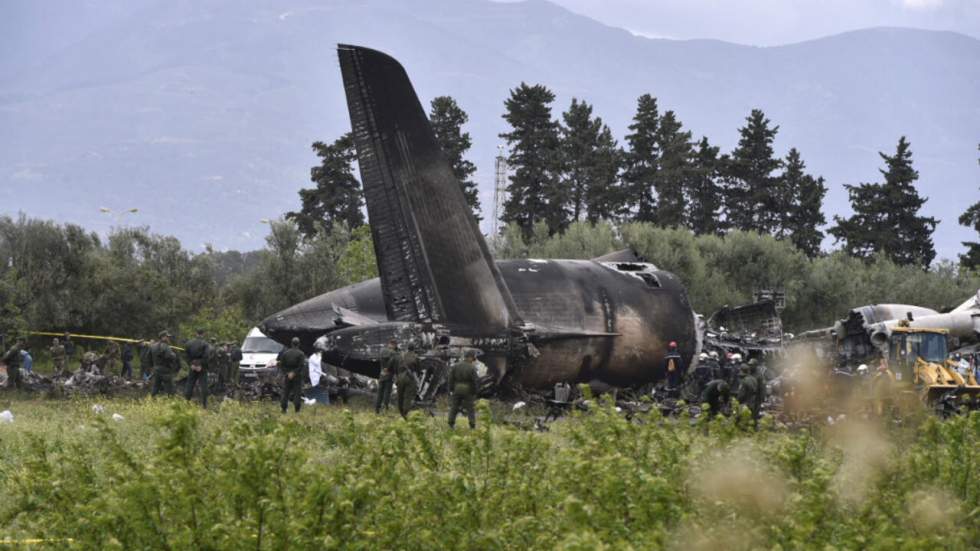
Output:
x=463 y=384
x=166 y=365
x=407 y=384
x=11 y=359
x=292 y=364
x=57 y=352
x=672 y=366
x=127 y=361
x=69 y=350
x=390 y=361
x=751 y=390
x=197 y=351
x=146 y=358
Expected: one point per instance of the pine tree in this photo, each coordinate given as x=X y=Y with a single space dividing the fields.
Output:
x=971 y=218
x=534 y=191
x=704 y=199
x=886 y=215
x=752 y=198
x=804 y=196
x=590 y=165
x=642 y=159
x=337 y=196
x=447 y=120
x=674 y=172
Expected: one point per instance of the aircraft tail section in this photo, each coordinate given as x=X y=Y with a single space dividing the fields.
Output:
x=433 y=261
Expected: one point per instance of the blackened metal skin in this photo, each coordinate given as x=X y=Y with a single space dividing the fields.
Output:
x=588 y=320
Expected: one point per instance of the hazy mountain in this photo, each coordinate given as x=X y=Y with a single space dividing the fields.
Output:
x=201 y=113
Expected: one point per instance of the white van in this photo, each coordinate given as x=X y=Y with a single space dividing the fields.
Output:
x=258 y=351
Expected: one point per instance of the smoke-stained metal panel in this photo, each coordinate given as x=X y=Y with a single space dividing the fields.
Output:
x=433 y=261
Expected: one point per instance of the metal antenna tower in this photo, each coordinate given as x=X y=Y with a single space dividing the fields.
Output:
x=499 y=189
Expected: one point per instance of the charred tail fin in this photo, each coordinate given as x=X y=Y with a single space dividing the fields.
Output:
x=433 y=261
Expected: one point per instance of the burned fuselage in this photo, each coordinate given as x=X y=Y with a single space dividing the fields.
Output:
x=584 y=320
x=536 y=322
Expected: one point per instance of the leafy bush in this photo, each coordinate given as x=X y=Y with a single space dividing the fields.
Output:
x=173 y=476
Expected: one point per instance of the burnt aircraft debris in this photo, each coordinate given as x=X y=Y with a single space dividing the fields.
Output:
x=534 y=322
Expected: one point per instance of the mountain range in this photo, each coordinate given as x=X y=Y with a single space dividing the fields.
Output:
x=201 y=113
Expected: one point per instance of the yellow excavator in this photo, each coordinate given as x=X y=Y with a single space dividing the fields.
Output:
x=919 y=359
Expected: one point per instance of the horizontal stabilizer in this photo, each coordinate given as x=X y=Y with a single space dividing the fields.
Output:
x=349 y=318
x=623 y=255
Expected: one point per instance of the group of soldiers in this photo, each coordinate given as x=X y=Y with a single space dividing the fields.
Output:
x=204 y=359
x=714 y=381
x=402 y=370
x=157 y=358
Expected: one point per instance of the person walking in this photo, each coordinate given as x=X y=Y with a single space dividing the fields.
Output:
x=166 y=365
x=390 y=361
x=11 y=359
x=463 y=386
x=57 y=352
x=292 y=365
x=197 y=351
x=406 y=381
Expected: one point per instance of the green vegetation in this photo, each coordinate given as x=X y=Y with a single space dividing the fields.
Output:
x=171 y=476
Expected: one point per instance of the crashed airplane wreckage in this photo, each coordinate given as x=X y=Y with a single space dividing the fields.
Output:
x=535 y=322
x=914 y=341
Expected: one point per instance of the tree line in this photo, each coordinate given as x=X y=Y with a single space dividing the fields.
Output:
x=571 y=168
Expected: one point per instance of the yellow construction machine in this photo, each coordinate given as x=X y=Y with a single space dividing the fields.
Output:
x=919 y=359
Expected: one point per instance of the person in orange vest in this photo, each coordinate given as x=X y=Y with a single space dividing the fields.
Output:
x=672 y=365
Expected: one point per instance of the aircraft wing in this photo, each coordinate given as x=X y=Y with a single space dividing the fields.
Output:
x=433 y=261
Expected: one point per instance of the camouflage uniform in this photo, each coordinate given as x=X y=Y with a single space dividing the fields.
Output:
x=407 y=384
x=292 y=363
x=751 y=391
x=463 y=383
x=57 y=351
x=390 y=361
x=12 y=360
x=198 y=361
x=165 y=366
x=716 y=394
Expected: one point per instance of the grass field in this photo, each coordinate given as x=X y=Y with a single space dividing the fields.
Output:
x=242 y=476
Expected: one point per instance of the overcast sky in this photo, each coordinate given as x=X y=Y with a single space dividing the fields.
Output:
x=773 y=22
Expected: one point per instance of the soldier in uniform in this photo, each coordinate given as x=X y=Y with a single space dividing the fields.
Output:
x=90 y=363
x=12 y=360
x=197 y=351
x=716 y=394
x=389 y=366
x=57 y=352
x=69 y=350
x=127 y=361
x=292 y=363
x=881 y=388
x=235 y=359
x=223 y=364
x=463 y=384
x=751 y=390
x=146 y=358
x=406 y=381
x=165 y=365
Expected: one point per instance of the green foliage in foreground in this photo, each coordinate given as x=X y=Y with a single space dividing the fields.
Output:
x=172 y=476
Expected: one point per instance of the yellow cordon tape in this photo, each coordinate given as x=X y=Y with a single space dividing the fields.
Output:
x=94 y=337
x=36 y=541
